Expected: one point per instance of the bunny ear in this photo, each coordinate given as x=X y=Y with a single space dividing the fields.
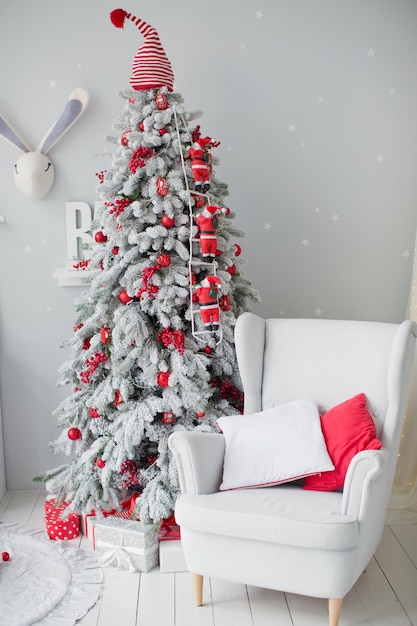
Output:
x=11 y=135
x=75 y=107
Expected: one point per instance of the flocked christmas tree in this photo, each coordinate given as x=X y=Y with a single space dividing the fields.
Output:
x=152 y=349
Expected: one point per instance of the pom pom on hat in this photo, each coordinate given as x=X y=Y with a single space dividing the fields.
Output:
x=118 y=17
x=151 y=67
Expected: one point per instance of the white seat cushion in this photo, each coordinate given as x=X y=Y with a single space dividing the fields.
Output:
x=286 y=515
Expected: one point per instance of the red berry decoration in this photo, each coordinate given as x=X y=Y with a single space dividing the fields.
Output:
x=163 y=379
x=208 y=350
x=162 y=131
x=100 y=463
x=231 y=269
x=74 y=434
x=5 y=556
x=200 y=414
x=141 y=126
x=168 y=222
x=138 y=158
x=124 y=297
x=100 y=175
x=164 y=260
x=100 y=237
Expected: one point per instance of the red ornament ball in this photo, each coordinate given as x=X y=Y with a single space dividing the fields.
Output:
x=74 y=434
x=115 y=250
x=124 y=297
x=163 y=379
x=93 y=413
x=100 y=237
x=5 y=556
x=100 y=463
x=200 y=414
x=164 y=260
x=208 y=350
x=141 y=126
x=168 y=222
x=124 y=140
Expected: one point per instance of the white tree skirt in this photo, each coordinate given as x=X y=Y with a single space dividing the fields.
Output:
x=45 y=583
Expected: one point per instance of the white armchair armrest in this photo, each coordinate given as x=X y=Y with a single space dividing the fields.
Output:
x=365 y=469
x=199 y=458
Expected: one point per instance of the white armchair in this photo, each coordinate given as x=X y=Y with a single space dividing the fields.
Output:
x=285 y=537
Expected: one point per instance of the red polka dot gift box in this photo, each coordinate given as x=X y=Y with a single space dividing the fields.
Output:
x=59 y=528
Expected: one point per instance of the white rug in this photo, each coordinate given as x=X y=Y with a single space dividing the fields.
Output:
x=45 y=583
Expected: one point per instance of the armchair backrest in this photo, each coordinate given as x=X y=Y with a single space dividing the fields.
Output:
x=329 y=361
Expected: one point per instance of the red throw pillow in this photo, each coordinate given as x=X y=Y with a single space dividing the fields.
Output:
x=348 y=428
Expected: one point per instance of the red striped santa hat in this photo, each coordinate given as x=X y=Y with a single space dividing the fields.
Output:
x=151 y=67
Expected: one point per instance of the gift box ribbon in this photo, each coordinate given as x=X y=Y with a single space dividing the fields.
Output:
x=121 y=557
x=118 y=556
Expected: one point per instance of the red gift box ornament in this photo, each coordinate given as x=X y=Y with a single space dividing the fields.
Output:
x=163 y=379
x=105 y=334
x=59 y=528
x=161 y=101
x=167 y=417
x=225 y=303
x=161 y=186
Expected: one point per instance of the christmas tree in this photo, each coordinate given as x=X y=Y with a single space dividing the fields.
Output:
x=152 y=349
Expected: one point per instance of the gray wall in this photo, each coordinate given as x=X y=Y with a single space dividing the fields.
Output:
x=330 y=229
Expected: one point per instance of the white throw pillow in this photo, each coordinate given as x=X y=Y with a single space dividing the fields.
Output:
x=275 y=446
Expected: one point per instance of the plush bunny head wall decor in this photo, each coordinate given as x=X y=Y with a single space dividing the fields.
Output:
x=33 y=171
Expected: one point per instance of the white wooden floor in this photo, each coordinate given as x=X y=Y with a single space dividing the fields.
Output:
x=386 y=595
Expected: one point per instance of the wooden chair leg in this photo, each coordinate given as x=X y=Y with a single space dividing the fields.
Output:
x=335 y=608
x=197 y=580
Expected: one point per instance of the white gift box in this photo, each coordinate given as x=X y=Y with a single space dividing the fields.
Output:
x=171 y=557
x=126 y=544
